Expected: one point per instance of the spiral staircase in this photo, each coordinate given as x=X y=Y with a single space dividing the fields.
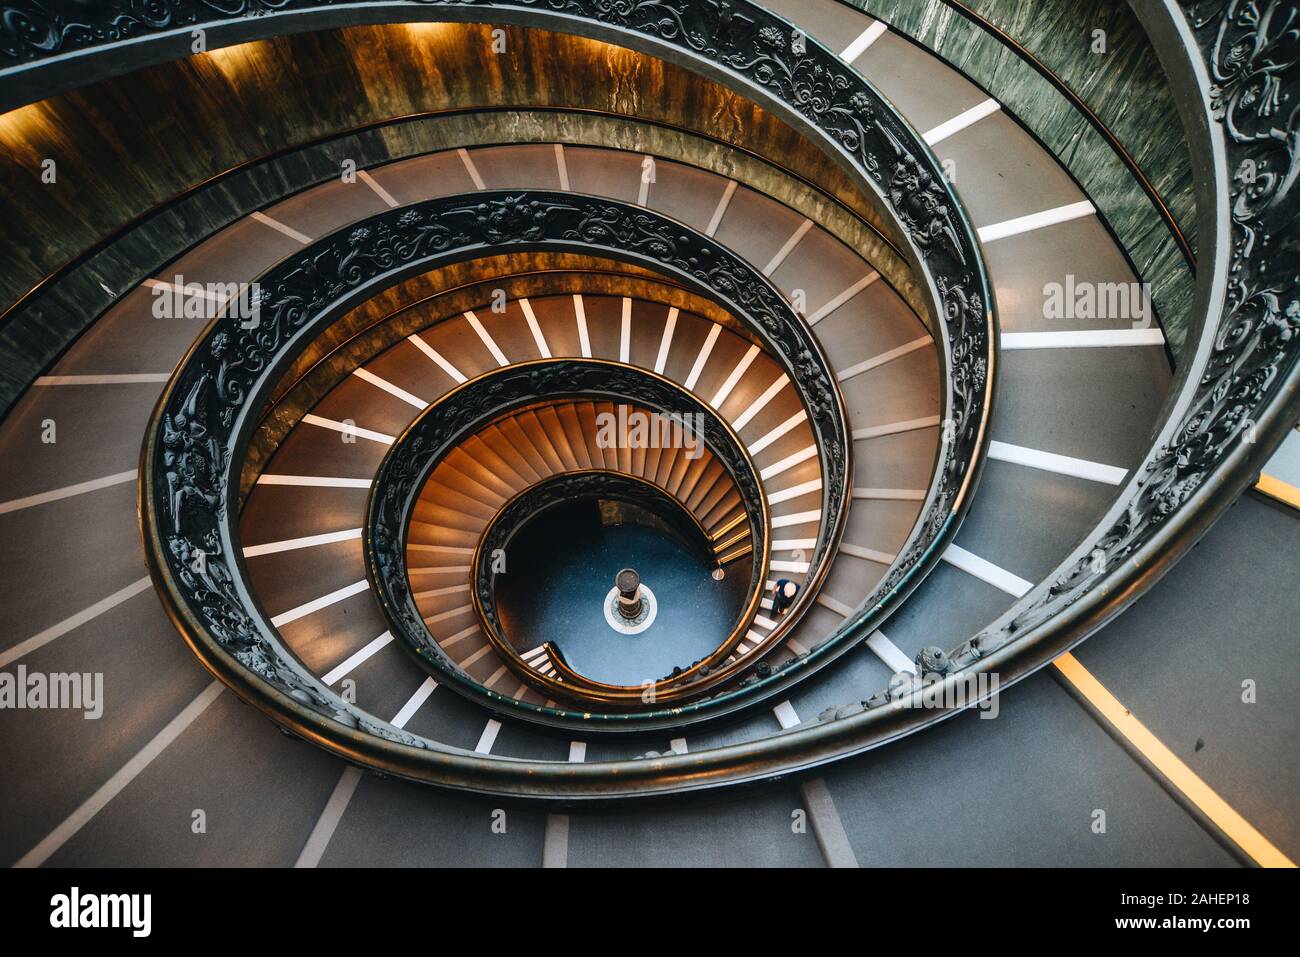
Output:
x=326 y=337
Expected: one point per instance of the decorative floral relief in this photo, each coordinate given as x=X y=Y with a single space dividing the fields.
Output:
x=736 y=35
x=445 y=426
x=192 y=470
x=1251 y=48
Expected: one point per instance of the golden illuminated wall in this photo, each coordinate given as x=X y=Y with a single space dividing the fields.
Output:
x=125 y=145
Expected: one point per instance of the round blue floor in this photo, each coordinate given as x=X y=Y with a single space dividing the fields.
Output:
x=561 y=567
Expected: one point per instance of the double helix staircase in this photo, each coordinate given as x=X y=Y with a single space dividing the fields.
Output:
x=1077 y=403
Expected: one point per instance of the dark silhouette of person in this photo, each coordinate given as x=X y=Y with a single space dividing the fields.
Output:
x=783 y=595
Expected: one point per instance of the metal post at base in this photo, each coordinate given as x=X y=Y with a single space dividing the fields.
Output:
x=628 y=583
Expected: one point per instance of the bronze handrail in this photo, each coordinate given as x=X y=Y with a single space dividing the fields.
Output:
x=573 y=684
x=1080 y=104
x=488 y=398
x=226 y=374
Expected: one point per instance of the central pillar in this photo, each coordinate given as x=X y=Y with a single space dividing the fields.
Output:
x=628 y=583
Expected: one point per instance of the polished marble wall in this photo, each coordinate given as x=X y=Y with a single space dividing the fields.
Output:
x=1124 y=86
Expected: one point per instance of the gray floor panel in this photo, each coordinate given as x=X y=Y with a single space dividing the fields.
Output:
x=1179 y=657
x=90 y=550
x=751 y=831
x=261 y=792
x=98 y=430
x=395 y=824
x=1020 y=789
x=54 y=759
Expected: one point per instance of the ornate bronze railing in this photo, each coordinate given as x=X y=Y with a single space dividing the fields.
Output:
x=563 y=489
x=1238 y=394
x=192 y=460
x=206 y=412
x=1234 y=398
x=445 y=424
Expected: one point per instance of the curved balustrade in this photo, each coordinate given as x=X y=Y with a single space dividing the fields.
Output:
x=447 y=423
x=1236 y=396
x=1233 y=400
x=208 y=409
x=564 y=489
x=742 y=44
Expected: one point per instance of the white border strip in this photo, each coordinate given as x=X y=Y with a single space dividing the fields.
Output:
x=961 y=121
x=280 y=227
x=427 y=687
x=783 y=253
x=893 y=428
x=41 y=638
x=316 y=604
x=534 y=327
x=647 y=177
x=796 y=518
x=789 y=462
x=307 y=541
x=487 y=339
x=884 y=357
x=986 y=571
x=835 y=605
x=356 y=659
x=436 y=356
x=356 y=430
x=1060 y=464
x=1083 y=339
x=786 y=716
x=471 y=168
x=703 y=357
x=891 y=494
x=758 y=404
x=867 y=554
x=890 y=653
x=777 y=432
x=864 y=39
x=1025 y=224
x=488 y=738
x=121 y=378
x=843 y=297
x=114 y=786
x=313 y=481
x=580 y=314
x=794 y=491
x=54 y=495
x=323 y=830
x=378 y=190
x=724 y=392
x=625 y=332
x=797 y=568
x=365 y=375
x=181 y=288
x=562 y=167
x=721 y=208
x=670 y=325
x=793 y=545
